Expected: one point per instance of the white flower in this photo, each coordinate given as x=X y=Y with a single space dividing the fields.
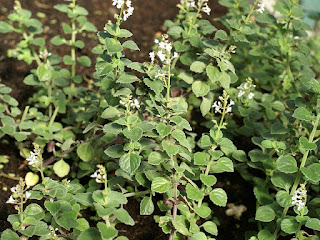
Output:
x=231 y=103
x=127 y=13
x=135 y=103
x=217 y=106
x=33 y=158
x=152 y=56
x=122 y=103
x=175 y=55
x=11 y=200
x=44 y=54
x=28 y=194
x=98 y=176
x=156 y=41
x=160 y=74
x=206 y=9
x=161 y=55
x=251 y=95
x=228 y=110
x=261 y=8
x=299 y=197
x=118 y=3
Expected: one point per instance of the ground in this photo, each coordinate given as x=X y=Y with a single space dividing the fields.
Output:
x=145 y=24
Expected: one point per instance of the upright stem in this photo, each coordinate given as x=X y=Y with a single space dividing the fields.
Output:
x=175 y=196
x=298 y=178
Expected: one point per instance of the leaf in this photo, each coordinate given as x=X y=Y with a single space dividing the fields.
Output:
x=284 y=199
x=208 y=180
x=304 y=142
x=170 y=149
x=31 y=178
x=127 y=78
x=224 y=164
x=181 y=138
x=124 y=33
x=198 y=67
x=146 y=206
x=130 y=162
x=282 y=180
x=155 y=158
x=205 y=106
x=85 y=152
x=219 y=197
x=312 y=172
x=313 y=223
x=133 y=134
x=186 y=77
x=123 y=216
x=163 y=129
x=103 y=68
x=265 y=214
x=198 y=236
x=160 y=185
x=115 y=151
x=225 y=80
x=130 y=45
x=110 y=112
x=90 y=234
x=194 y=193
x=287 y=164
x=52 y=207
x=302 y=113
x=211 y=228
x=200 y=88
x=201 y=158
x=58 y=40
x=181 y=122
x=289 y=225
x=155 y=85
x=61 y=168
x=84 y=61
x=221 y=35
x=43 y=73
x=113 y=45
x=9 y=234
x=35 y=211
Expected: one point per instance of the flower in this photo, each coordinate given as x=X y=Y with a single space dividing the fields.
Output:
x=135 y=103
x=261 y=8
x=44 y=54
x=299 y=197
x=28 y=194
x=245 y=88
x=11 y=200
x=206 y=9
x=127 y=13
x=152 y=56
x=98 y=176
x=117 y=3
x=223 y=105
x=33 y=158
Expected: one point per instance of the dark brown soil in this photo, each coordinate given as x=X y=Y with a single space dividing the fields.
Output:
x=146 y=22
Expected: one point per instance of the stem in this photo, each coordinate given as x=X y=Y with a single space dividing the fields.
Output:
x=175 y=196
x=53 y=117
x=133 y=194
x=73 y=39
x=298 y=178
x=169 y=80
x=2 y=174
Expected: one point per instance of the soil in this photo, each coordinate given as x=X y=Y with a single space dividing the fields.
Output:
x=145 y=24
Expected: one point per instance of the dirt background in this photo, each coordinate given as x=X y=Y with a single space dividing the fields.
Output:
x=145 y=23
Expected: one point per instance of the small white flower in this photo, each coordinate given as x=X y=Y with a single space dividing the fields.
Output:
x=251 y=95
x=135 y=103
x=299 y=197
x=161 y=55
x=175 y=55
x=261 y=8
x=11 y=200
x=118 y=3
x=152 y=56
x=228 y=110
x=206 y=9
x=97 y=175
x=160 y=74
x=127 y=13
x=231 y=103
x=122 y=103
x=156 y=41
x=28 y=194
x=33 y=158
x=217 y=106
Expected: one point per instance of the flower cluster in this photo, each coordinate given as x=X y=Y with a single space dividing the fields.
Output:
x=223 y=106
x=20 y=190
x=35 y=157
x=245 y=88
x=129 y=102
x=44 y=54
x=164 y=50
x=100 y=175
x=127 y=12
x=261 y=7
x=203 y=4
x=53 y=232
x=299 y=197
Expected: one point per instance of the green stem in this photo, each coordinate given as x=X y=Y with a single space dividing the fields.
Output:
x=2 y=174
x=134 y=194
x=24 y=115
x=53 y=117
x=169 y=80
x=298 y=178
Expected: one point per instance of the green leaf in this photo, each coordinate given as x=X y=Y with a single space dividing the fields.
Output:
x=186 y=77
x=304 y=142
x=265 y=235
x=124 y=217
x=52 y=207
x=205 y=106
x=163 y=129
x=265 y=214
x=127 y=78
x=61 y=168
x=219 y=197
x=58 y=40
x=43 y=73
x=134 y=134
x=110 y=112
x=84 y=61
x=90 y=234
x=312 y=172
x=313 y=223
x=225 y=80
x=282 y=180
x=146 y=206
x=220 y=34
x=200 y=88
x=35 y=211
x=113 y=45
x=67 y=222
x=208 y=180
x=9 y=234
x=155 y=158
x=181 y=138
x=181 y=122
x=302 y=113
x=224 y=164
x=201 y=158
x=130 y=45
x=103 y=68
x=115 y=151
x=130 y=162
x=203 y=211
x=83 y=224
x=124 y=33
x=198 y=236
x=155 y=85
x=211 y=228
x=170 y=149
x=160 y=185
x=287 y=164
x=194 y=193
x=284 y=199
x=289 y=225
x=85 y=152
x=198 y=67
